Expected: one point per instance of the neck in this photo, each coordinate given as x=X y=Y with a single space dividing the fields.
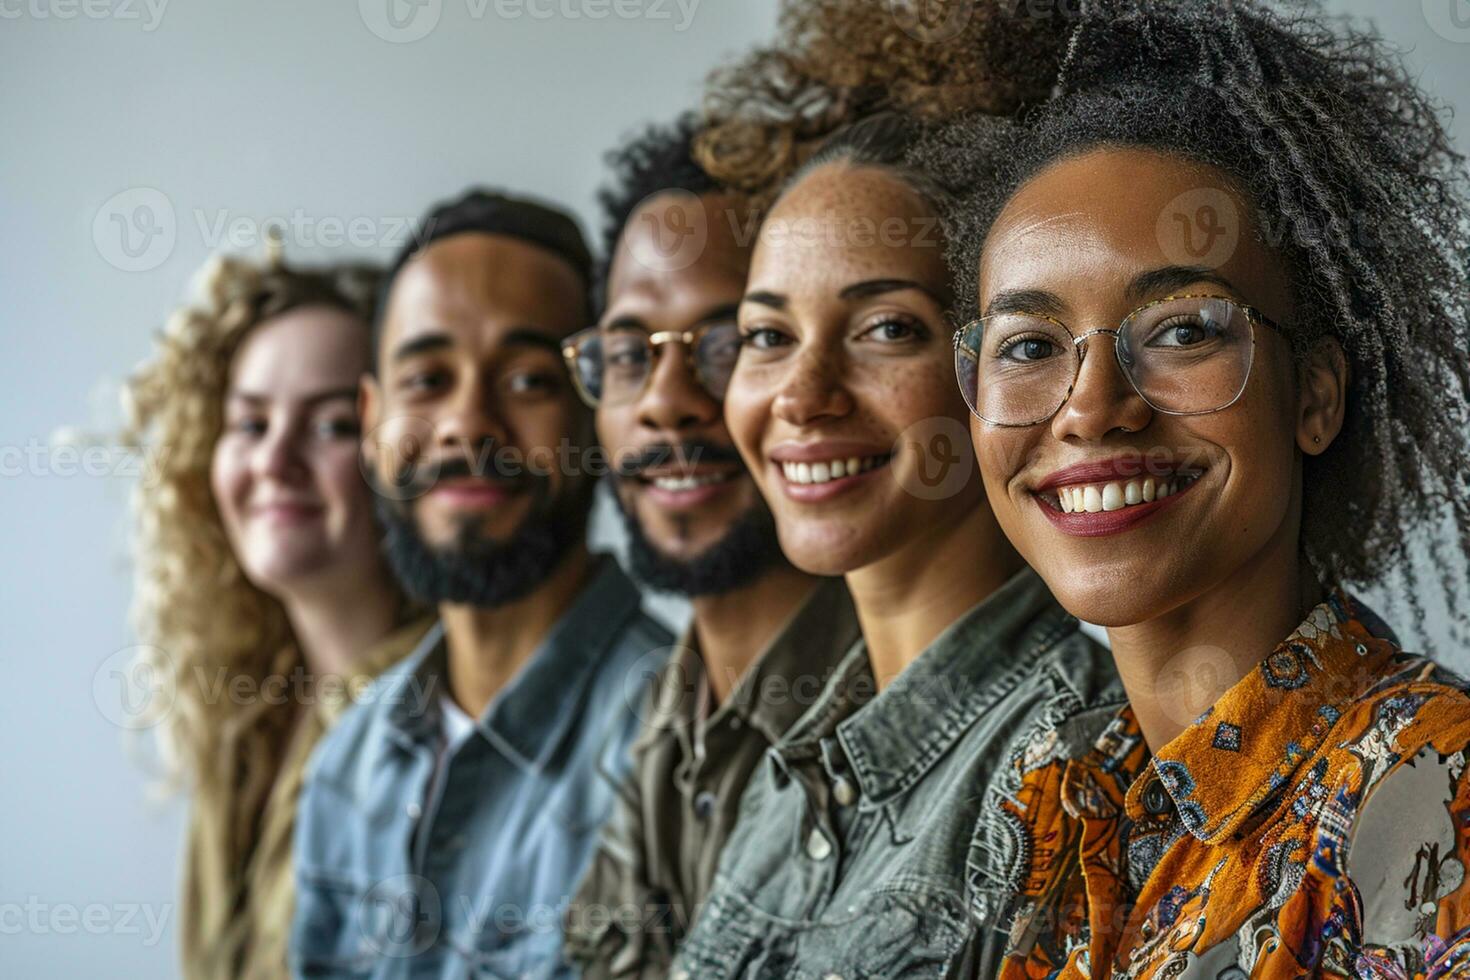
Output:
x=735 y=627
x=487 y=647
x=908 y=598
x=335 y=625
x=1175 y=666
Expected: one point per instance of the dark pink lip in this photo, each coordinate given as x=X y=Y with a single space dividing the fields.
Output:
x=810 y=493
x=818 y=452
x=472 y=493
x=287 y=513
x=1108 y=470
x=1105 y=522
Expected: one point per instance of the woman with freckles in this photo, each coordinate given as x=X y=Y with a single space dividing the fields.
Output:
x=851 y=856
x=1218 y=372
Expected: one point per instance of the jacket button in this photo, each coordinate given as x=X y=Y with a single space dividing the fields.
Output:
x=844 y=791
x=818 y=848
x=414 y=811
x=704 y=805
x=1155 y=800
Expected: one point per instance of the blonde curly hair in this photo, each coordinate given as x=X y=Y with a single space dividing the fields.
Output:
x=838 y=61
x=193 y=606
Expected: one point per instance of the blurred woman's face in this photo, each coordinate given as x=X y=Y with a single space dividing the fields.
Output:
x=844 y=376
x=1128 y=512
x=285 y=474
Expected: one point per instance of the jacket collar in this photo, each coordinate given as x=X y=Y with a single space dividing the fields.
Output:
x=529 y=718
x=974 y=663
x=1235 y=757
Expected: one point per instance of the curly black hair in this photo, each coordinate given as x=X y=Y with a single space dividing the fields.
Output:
x=658 y=158
x=1355 y=183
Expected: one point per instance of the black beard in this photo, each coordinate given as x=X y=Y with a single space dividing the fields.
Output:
x=475 y=569
x=747 y=551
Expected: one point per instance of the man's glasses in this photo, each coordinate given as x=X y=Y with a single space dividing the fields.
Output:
x=612 y=366
x=1184 y=355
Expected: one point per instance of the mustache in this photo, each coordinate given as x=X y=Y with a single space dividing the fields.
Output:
x=687 y=453
x=422 y=475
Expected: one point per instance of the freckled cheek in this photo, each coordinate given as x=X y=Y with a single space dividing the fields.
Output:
x=746 y=412
x=905 y=396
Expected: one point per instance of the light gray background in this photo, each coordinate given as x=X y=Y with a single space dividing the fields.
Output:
x=232 y=114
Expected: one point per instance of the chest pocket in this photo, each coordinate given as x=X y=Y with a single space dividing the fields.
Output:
x=891 y=935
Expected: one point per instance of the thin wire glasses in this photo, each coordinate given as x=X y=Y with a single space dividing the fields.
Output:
x=1184 y=355
x=612 y=367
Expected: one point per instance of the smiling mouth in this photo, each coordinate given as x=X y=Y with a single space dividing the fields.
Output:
x=1114 y=495
x=825 y=471
x=678 y=482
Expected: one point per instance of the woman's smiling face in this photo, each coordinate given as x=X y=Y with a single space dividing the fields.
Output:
x=1087 y=241
x=846 y=348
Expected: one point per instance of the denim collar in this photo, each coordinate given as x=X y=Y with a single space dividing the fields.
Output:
x=892 y=742
x=529 y=718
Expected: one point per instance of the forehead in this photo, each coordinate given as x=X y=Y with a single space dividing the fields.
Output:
x=843 y=223
x=677 y=243
x=1109 y=214
x=301 y=351
x=475 y=287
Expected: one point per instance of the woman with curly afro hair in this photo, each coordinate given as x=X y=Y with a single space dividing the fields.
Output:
x=1218 y=375
x=262 y=595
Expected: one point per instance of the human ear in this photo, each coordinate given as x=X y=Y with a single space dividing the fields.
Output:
x=1322 y=383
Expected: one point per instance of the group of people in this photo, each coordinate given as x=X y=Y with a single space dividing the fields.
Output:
x=903 y=356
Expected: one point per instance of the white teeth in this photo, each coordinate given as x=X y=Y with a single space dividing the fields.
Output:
x=1115 y=496
x=829 y=470
x=687 y=482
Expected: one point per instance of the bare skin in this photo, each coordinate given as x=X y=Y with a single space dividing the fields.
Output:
x=470 y=353
x=847 y=351
x=732 y=627
x=1194 y=596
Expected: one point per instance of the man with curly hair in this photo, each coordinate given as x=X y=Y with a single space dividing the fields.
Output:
x=656 y=366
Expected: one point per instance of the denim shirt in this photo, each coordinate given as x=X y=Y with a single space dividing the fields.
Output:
x=401 y=874
x=860 y=850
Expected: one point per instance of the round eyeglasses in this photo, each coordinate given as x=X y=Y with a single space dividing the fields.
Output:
x=1184 y=355
x=612 y=366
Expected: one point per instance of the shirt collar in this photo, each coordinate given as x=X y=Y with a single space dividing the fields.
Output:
x=967 y=669
x=528 y=719
x=1251 y=742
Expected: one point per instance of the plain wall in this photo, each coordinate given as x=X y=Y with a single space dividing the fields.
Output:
x=224 y=115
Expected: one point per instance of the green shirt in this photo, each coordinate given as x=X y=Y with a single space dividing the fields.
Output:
x=657 y=855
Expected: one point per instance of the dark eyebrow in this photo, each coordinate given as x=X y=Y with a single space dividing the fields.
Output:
x=531 y=337
x=1174 y=277
x=1037 y=301
x=313 y=399
x=877 y=287
x=420 y=345
x=774 y=300
x=724 y=311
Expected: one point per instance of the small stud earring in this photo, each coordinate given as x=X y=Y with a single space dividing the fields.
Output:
x=1316 y=440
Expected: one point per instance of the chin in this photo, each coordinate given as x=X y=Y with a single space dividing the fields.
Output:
x=829 y=552
x=1105 y=600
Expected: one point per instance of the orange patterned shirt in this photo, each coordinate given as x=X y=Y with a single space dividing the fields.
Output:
x=1314 y=822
